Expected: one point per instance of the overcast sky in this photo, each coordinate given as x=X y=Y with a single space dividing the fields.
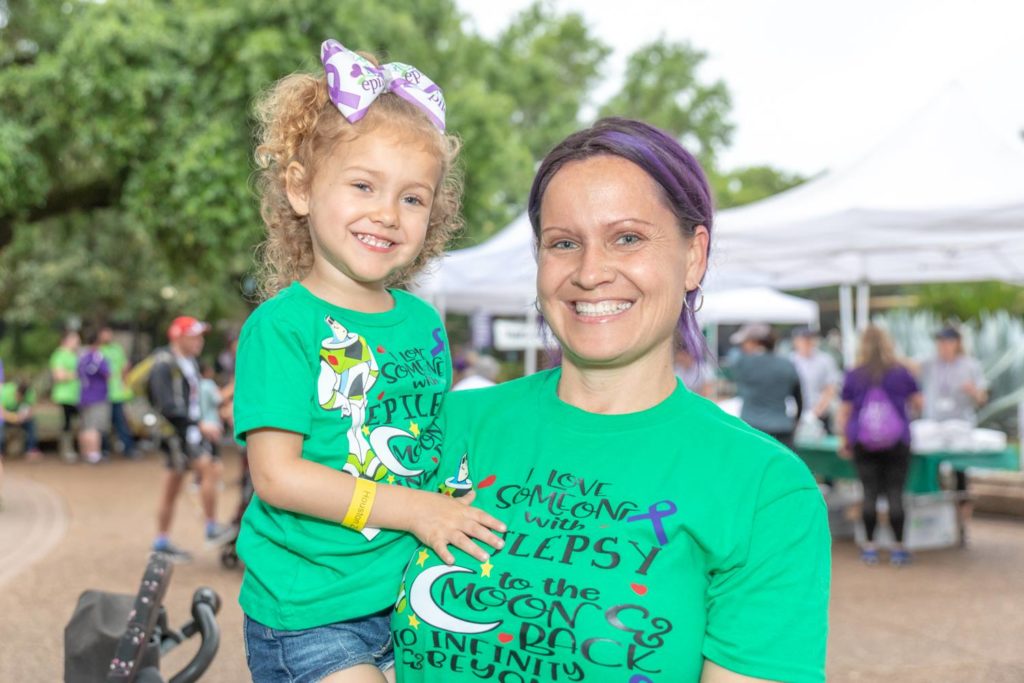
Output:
x=816 y=82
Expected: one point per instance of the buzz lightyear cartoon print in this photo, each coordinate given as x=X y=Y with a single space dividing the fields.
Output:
x=348 y=370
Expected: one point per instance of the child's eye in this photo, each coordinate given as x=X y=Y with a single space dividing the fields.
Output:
x=362 y=187
x=413 y=200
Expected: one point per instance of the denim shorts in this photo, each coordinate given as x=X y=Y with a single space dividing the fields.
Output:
x=309 y=655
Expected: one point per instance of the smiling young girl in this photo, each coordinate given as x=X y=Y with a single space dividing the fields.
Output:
x=339 y=376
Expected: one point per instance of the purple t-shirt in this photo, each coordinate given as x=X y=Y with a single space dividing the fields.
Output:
x=93 y=371
x=898 y=384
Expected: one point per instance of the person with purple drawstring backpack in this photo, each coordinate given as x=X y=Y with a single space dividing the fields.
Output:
x=874 y=429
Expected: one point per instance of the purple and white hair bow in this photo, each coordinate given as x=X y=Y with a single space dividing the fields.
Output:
x=354 y=83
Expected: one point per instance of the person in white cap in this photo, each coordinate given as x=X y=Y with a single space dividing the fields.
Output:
x=174 y=393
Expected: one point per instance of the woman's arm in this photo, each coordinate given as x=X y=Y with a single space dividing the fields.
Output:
x=284 y=479
x=713 y=673
x=842 y=417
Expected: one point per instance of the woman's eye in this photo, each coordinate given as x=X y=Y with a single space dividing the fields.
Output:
x=629 y=239
x=562 y=244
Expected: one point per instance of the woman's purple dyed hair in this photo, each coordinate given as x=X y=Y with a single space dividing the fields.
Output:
x=684 y=187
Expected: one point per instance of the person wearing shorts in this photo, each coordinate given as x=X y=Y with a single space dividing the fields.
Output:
x=174 y=393
x=93 y=403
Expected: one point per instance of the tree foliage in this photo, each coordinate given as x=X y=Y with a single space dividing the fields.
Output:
x=126 y=132
x=751 y=183
x=662 y=87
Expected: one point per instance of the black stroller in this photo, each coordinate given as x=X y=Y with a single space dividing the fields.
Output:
x=118 y=638
x=228 y=552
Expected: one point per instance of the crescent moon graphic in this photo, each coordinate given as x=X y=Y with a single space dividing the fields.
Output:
x=380 y=439
x=429 y=611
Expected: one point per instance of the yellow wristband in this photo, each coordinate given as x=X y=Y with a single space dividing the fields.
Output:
x=362 y=503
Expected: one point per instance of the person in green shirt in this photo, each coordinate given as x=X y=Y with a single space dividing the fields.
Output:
x=17 y=401
x=340 y=376
x=651 y=536
x=117 y=392
x=66 y=389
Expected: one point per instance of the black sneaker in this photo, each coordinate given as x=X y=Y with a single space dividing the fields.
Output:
x=173 y=552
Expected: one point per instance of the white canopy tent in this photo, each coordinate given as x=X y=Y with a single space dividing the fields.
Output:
x=756 y=305
x=940 y=199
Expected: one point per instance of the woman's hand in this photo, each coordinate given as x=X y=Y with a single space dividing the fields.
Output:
x=439 y=521
x=844 y=450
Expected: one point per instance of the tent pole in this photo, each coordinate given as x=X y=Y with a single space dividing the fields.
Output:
x=530 y=352
x=846 y=325
x=863 y=305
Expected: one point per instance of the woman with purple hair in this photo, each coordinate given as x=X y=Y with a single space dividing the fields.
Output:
x=651 y=537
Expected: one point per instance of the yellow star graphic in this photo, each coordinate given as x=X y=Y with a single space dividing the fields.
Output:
x=422 y=558
x=415 y=429
x=366 y=430
x=485 y=568
x=413 y=621
x=391 y=479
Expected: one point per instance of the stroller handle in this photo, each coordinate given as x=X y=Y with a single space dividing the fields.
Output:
x=205 y=605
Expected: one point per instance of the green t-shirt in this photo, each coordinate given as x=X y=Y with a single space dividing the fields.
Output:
x=67 y=391
x=117 y=360
x=9 y=397
x=365 y=391
x=638 y=546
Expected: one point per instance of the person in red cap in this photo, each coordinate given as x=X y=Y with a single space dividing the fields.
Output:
x=174 y=393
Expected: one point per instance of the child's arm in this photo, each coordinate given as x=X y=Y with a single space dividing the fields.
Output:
x=282 y=478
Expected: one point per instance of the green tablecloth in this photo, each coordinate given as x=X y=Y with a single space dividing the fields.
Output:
x=923 y=477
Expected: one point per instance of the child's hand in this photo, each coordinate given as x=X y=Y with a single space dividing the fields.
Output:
x=439 y=521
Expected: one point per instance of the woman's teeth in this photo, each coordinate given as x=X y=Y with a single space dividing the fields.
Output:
x=601 y=307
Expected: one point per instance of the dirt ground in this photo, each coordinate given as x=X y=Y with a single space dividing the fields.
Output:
x=955 y=616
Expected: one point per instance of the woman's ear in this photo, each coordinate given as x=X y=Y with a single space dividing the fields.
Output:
x=297 y=188
x=697 y=257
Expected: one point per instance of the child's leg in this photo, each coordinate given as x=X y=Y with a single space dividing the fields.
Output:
x=207 y=485
x=364 y=673
x=168 y=495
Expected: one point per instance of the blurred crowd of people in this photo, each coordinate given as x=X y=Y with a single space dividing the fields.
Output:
x=868 y=407
x=172 y=401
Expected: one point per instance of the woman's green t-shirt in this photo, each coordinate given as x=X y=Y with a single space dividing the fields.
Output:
x=639 y=545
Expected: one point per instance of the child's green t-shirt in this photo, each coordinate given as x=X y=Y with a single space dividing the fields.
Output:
x=65 y=392
x=364 y=390
x=639 y=545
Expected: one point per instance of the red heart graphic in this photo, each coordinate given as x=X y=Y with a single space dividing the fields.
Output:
x=380 y=349
x=505 y=637
x=488 y=481
x=332 y=360
x=380 y=395
x=434 y=459
x=638 y=588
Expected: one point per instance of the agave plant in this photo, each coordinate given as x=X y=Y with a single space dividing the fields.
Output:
x=996 y=340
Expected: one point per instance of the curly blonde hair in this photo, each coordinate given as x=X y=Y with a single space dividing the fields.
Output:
x=298 y=122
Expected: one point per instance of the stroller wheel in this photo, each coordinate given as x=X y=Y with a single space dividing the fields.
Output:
x=228 y=556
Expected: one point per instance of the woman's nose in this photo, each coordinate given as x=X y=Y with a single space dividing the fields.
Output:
x=594 y=268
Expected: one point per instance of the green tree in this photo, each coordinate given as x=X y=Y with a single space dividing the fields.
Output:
x=547 y=64
x=134 y=121
x=969 y=300
x=661 y=86
x=749 y=184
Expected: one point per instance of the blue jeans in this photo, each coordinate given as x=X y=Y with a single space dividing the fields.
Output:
x=309 y=655
x=119 y=421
